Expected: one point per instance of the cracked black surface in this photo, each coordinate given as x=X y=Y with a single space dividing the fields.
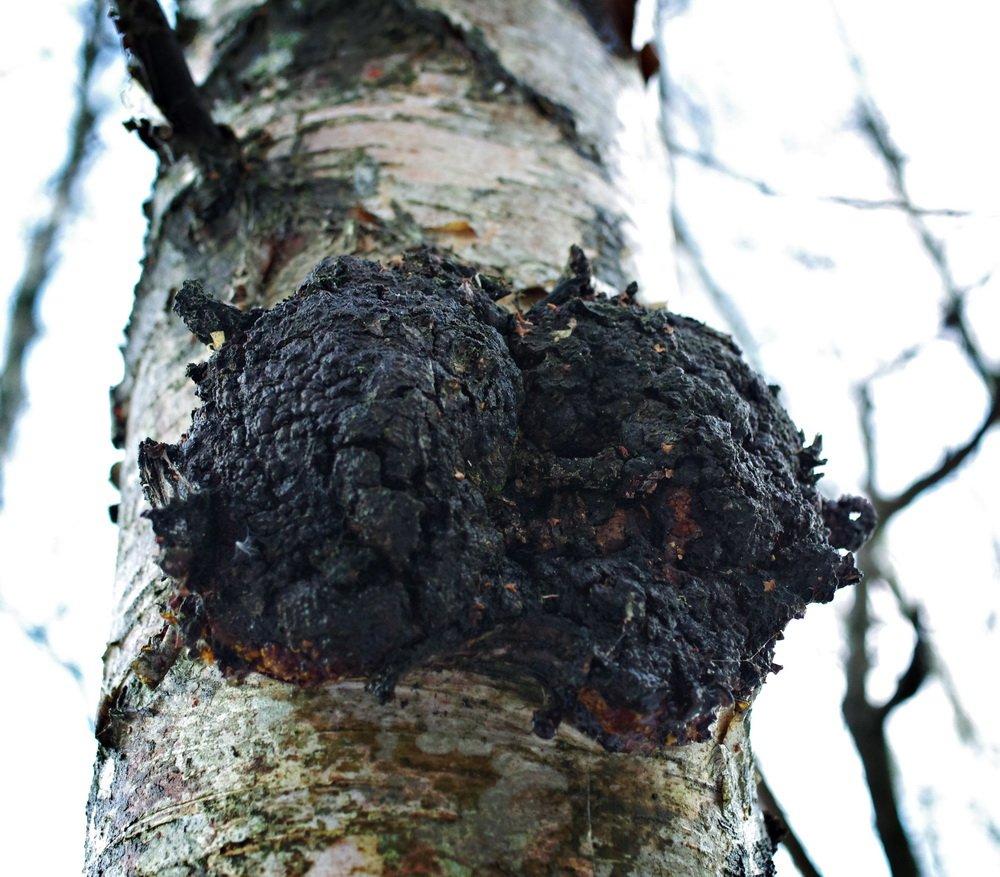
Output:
x=388 y=470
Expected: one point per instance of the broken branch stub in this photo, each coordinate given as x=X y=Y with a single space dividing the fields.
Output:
x=389 y=471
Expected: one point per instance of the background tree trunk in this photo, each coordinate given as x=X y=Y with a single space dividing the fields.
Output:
x=490 y=128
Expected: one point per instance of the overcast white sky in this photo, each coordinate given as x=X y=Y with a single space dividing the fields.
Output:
x=829 y=291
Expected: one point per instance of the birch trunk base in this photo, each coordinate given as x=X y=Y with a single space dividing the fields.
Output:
x=260 y=777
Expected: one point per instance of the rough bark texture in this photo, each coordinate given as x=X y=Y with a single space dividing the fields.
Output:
x=490 y=129
x=265 y=778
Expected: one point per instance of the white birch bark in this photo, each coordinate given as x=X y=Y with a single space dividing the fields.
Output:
x=493 y=129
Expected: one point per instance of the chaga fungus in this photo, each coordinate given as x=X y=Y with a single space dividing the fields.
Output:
x=389 y=470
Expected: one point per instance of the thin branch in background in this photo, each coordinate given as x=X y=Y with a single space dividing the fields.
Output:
x=873 y=126
x=950 y=463
x=866 y=721
x=938 y=668
x=683 y=238
x=916 y=672
x=43 y=240
x=895 y=204
x=787 y=837
x=680 y=102
x=707 y=160
x=40 y=262
x=711 y=162
x=990 y=825
x=720 y=298
x=897 y=363
x=866 y=422
x=39 y=635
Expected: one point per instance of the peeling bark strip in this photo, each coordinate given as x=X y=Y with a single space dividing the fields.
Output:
x=589 y=519
x=389 y=471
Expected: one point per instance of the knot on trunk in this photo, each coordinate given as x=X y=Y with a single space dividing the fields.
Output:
x=389 y=470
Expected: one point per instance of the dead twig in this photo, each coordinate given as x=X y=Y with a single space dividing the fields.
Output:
x=157 y=63
x=788 y=838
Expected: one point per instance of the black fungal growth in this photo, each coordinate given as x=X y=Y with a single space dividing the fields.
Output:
x=389 y=470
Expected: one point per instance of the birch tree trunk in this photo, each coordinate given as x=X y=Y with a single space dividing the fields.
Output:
x=492 y=129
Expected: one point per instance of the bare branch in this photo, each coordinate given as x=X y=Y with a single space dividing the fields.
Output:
x=866 y=417
x=875 y=128
x=684 y=240
x=790 y=840
x=896 y=363
x=991 y=827
x=935 y=666
x=887 y=507
x=896 y=204
x=917 y=671
x=720 y=298
x=711 y=162
x=44 y=238
x=865 y=720
x=866 y=724
x=157 y=63
x=39 y=635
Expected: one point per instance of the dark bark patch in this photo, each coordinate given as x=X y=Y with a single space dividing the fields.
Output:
x=389 y=470
x=353 y=47
x=613 y=21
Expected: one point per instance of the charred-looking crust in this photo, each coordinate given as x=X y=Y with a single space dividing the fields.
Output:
x=389 y=470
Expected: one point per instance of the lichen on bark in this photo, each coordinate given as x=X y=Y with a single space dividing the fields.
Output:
x=390 y=471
